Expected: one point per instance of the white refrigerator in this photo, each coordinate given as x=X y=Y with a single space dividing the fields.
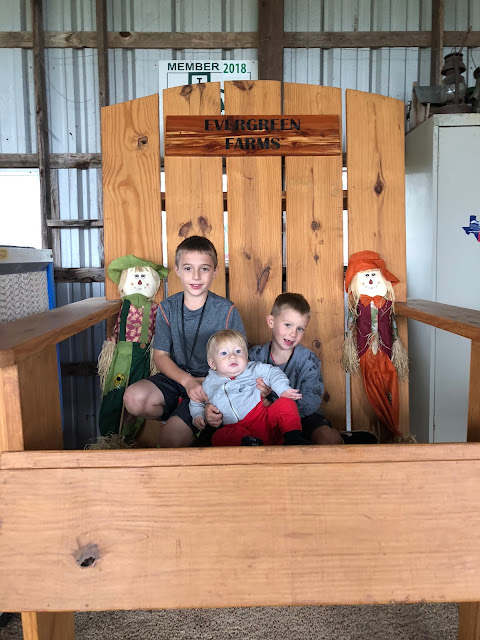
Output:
x=443 y=265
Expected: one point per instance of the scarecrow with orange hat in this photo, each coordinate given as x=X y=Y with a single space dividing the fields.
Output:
x=372 y=343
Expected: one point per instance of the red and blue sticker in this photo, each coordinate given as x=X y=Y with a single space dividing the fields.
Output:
x=473 y=228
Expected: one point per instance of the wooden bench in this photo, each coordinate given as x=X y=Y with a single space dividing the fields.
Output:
x=98 y=530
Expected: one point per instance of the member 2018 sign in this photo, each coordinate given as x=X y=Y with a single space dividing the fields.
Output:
x=246 y=135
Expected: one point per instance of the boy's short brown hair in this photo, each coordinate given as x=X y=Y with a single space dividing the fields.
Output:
x=220 y=337
x=197 y=244
x=294 y=301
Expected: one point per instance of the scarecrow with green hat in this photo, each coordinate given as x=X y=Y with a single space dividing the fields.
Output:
x=126 y=355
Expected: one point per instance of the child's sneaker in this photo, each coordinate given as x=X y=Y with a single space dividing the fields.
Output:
x=359 y=437
x=250 y=441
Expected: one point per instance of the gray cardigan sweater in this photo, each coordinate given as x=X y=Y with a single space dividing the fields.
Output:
x=235 y=398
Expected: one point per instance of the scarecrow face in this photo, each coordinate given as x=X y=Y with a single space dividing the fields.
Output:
x=371 y=283
x=140 y=280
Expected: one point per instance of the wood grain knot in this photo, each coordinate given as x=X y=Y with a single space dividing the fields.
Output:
x=379 y=185
x=185 y=229
x=247 y=255
x=263 y=279
x=186 y=91
x=142 y=141
x=124 y=34
x=243 y=85
x=326 y=396
x=316 y=257
x=203 y=224
x=87 y=556
x=315 y=225
x=317 y=344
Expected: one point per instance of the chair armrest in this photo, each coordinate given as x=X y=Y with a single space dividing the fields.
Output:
x=21 y=339
x=463 y=322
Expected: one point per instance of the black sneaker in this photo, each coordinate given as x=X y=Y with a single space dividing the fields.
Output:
x=250 y=441
x=359 y=437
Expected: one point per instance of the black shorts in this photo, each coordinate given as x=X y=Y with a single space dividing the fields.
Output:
x=176 y=399
x=312 y=422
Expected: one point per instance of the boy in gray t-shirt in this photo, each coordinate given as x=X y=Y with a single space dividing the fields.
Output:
x=185 y=322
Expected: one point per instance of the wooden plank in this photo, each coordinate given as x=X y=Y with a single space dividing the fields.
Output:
x=89 y=274
x=314 y=238
x=75 y=224
x=57 y=160
x=270 y=39
x=41 y=119
x=131 y=183
x=23 y=338
x=239 y=40
x=463 y=322
x=102 y=52
x=468 y=621
x=193 y=186
x=11 y=432
x=40 y=403
x=254 y=215
x=473 y=424
x=436 y=59
x=376 y=206
x=30 y=413
x=100 y=551
x=251 y=135
x=49 y=626
x=239 y=456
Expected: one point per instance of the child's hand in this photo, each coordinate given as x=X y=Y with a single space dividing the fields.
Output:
x=264 y=389
x=195 y=391
x=199 y=422
x=293 y=394
x=213 y=415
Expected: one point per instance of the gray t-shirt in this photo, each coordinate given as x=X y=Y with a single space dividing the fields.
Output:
x=179 y=337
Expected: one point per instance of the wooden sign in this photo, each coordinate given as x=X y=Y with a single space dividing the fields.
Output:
x=311 y=135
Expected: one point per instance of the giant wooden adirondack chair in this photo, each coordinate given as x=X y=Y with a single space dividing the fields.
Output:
x=130 y=529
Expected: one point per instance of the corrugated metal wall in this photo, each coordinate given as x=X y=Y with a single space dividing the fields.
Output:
x=74 y=112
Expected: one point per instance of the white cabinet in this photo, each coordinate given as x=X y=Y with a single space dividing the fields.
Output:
x=443 y=265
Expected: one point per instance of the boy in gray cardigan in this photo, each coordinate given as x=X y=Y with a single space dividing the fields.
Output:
x=231 y=385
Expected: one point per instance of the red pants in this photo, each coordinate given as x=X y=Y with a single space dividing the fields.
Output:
x=267 y=423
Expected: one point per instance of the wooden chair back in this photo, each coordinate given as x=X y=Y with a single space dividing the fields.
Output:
x=305 y=249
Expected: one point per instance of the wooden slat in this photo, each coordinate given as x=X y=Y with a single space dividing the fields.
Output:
x=376 y=206
x=162 y=552
x=463 y=322
x=48 y=626
x=102 y=52
x=254 y=215
x=239 y=456
x=193 y=186
x=57 y=160
x=87 y=274
x=239 y=40
x=23 y=338
x=131 y=183
x=270 y=39
x=41 y=418
x=41 y=119
x=473 y=424
x=315 y=244
x=11 y=432
x=436 y=58
x=468 y=621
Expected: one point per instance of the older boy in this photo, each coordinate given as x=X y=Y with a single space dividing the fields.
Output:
x=231 y=385
x=185 y=322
